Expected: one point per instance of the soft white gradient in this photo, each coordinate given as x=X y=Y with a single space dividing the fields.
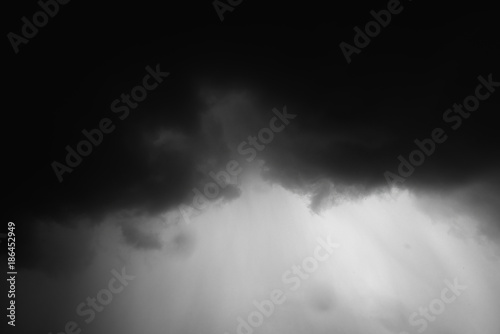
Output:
x=393 y=258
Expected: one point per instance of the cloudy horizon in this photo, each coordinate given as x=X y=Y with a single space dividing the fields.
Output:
x=231 y=167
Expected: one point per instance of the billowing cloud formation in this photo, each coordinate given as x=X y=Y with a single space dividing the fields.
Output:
x=325 y=172
x=331 y=156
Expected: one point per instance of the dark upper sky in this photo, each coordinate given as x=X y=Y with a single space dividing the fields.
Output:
x=355 y=119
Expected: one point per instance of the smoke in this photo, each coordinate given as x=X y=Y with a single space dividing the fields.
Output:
x=394 y=257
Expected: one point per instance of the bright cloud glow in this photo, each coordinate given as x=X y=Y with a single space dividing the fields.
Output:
x=393 y=259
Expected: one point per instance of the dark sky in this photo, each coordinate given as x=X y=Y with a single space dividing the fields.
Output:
x=354 y=119
x=353 y=122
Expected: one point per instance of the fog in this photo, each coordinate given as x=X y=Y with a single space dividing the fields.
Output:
x=393 y=256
